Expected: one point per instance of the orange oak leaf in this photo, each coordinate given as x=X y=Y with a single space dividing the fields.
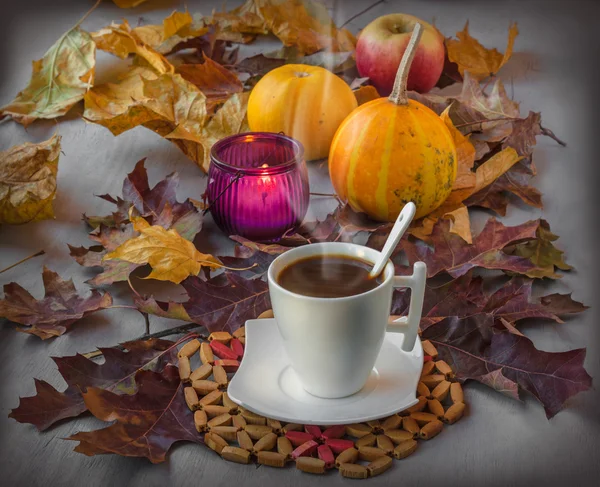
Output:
x=54 y=314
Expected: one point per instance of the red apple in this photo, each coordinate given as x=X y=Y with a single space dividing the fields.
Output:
x=381 y=45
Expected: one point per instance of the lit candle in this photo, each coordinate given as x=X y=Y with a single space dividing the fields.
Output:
x=258 y=185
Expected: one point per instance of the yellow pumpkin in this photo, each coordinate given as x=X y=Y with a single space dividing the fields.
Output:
x=388 y=152
x=305 y=102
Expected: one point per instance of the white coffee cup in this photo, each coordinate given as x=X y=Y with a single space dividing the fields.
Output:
x=332 y=343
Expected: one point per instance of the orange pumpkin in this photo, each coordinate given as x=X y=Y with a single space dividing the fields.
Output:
x=305 y=102
x=388 y=152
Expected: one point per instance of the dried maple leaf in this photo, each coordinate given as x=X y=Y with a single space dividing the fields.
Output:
x=171 y=257
x=128 y=3
x=58 y=80
x=469 y=55
x=225 y=303
x=254 y=263
x=474 y=349
x=447 y=252
x=121 y=40
x=146 y=424
x=366 y=94
x=115 y=374
x=171 y=310
x=54 y=314
x=216 y=82
x=28 y=181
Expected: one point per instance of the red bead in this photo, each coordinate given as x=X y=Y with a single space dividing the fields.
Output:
x=338 y=446
x=297 y=438
x=222 y=351
x=325 y=454
x=305 y=449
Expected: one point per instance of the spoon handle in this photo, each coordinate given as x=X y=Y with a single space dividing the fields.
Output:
x=402 y=223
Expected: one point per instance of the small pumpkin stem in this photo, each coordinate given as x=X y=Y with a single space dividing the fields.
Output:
x=398 y=95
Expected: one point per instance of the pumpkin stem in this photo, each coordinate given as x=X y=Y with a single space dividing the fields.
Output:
x=398 y=95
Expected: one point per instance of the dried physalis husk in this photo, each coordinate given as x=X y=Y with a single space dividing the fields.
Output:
x=429 y=349
x=358 y=430
x=253 y=418
x=204 y=387
x=275 y=424
x=206 y=354
x=444 y=368
x=391 y=423
x=185 y=369
x=410 y=425
x=441 y=390
x=454 y=413
x=229 y=433
x=404 y=449
x=267 y=442
x=421 y=403
x=398 y=436
x=220 y=375
x=433 y=380
x=423 y=418
x=244 y=440
x=353 y=471
x=257 y=431
x=385 y=443
x=200 y=421
x=284 y=446
x=271 y=458
x=367 y=440
x=214 y=410
x=310 y=465
x=435 y=407
x=239 y=421
x=431 y=429
x=240 y=332
x=214 y=442
x=428 y=368
x=379 y=466
x=191 y=398
x=456 y=393
x=370 y=453
x=201 y=373
x=222 y=420
x=189 y=349
x=220 y=336
x=423 y=390
x=235 y=454
x=266 y=314
x=292 y=427
x=213 y=397
x=347 y=456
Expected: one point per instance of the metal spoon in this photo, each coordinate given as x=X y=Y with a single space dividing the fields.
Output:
x=402 y=223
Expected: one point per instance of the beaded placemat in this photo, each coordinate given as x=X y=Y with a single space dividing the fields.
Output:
x=359 y=450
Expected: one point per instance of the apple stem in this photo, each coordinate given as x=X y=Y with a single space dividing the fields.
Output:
x=398 y=95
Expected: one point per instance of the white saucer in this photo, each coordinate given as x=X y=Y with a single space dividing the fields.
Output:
x=266 y=384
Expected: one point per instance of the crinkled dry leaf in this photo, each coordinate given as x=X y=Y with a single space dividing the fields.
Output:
x=497 y=381
x=146 y=424
x=54 y=314
x=171 y=310
x=115 y=374
x=121 y=40
x=58 y=80
x=171 y=257
x=471 y=56
x=28 y=181
x=177 y=28
x=128 y=3
x=225 y=303
x=473 y=349
x=365 y=94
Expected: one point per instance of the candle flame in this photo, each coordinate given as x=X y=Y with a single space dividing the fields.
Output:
x=264 y=165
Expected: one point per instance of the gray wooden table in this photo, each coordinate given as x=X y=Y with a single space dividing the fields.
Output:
x=500 y=442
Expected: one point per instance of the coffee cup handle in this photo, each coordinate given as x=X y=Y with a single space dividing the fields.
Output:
x=409 y=325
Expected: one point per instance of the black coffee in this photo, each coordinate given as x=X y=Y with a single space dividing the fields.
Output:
x=328 y=276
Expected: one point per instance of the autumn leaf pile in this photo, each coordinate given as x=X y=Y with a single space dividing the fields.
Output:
x=186 y=84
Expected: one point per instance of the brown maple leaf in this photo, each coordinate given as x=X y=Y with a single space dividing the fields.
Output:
x=146 y=424
x=54 y=314
x=116 y=374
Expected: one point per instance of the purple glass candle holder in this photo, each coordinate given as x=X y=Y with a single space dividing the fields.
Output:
x=258 y=185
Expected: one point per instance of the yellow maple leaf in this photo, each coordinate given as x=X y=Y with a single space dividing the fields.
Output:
x=471 y=56
x=121 y=40
x=58 y=80
x=28 y=181
x=177 y=27
x=172 y=257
